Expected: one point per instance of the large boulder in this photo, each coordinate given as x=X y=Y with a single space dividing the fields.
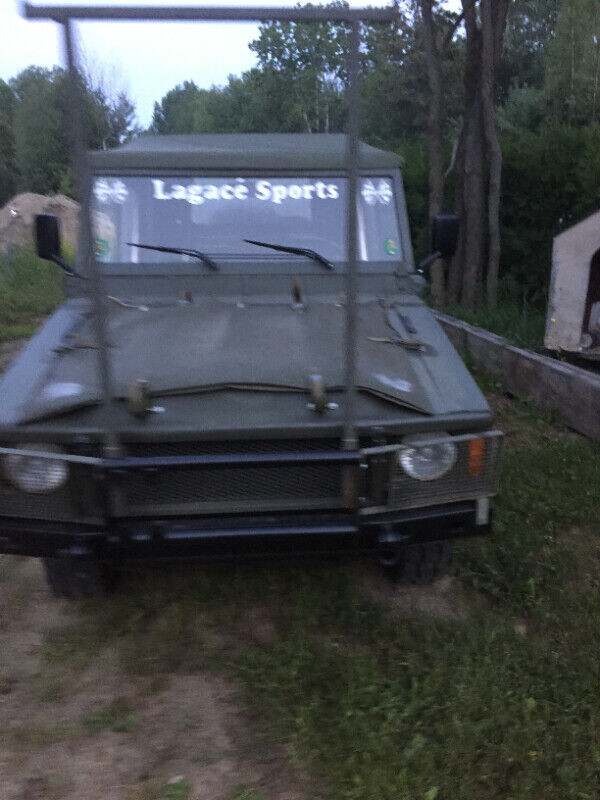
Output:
x=17 y=217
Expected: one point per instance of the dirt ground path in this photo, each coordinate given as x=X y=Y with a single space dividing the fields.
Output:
x=90 y=728
x=95 y=731
x=9 y=351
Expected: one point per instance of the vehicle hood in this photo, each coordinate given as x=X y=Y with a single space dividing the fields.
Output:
x=259 y=346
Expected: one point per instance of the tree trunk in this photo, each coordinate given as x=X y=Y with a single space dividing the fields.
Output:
x=436 y=166
x=493 y=15
x=455 y=274
x=472 y=179
x=479 y=174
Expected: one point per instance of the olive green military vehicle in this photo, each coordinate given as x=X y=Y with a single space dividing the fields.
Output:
x=223 y=262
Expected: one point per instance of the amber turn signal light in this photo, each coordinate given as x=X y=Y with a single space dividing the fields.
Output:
x=476 y=454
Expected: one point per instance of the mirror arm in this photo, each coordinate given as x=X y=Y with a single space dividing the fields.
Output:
x=427 y=262
x=66 y=267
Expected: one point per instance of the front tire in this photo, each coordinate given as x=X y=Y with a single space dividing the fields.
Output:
x=77 y=578
x=421 y=563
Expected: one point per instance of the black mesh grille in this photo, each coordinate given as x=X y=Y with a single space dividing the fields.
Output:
x=230 y=489
x=54 y=505
x=193 y=448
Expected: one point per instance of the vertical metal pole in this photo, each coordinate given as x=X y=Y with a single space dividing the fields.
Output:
x=352 y=169
x=91 y=271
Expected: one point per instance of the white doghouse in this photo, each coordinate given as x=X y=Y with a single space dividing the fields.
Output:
x=573 y=324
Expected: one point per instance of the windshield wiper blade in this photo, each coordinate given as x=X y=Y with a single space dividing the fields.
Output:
x=182 y=251
x=299 y=251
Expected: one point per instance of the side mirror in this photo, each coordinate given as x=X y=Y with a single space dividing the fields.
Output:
x=444 y=234
x=444 y=239
x=47 y=242
x=47 y=236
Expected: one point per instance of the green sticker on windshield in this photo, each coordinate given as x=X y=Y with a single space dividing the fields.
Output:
x=391 y=248
x=101 y=247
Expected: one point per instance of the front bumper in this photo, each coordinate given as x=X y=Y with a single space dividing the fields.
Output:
x=242 y=536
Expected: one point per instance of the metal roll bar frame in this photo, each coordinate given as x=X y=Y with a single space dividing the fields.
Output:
x=66 y=15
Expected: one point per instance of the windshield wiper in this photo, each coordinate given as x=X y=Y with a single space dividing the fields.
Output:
x=299 y=251
x=182 y=251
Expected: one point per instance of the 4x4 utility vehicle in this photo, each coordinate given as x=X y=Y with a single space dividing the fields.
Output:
x=222 y=261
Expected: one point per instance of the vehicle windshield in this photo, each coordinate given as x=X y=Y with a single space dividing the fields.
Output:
x=216 y=214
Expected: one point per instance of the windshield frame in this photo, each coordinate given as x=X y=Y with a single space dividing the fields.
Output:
x=264 y=262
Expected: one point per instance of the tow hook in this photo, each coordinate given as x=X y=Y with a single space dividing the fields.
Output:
x=389 y=553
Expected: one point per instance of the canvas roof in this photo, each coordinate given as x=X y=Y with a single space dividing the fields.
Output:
x=273 y=151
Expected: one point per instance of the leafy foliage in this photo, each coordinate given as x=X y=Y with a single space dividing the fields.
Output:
x=573 y=68
x=550 y=182
x=529 y=32
x=34 y=148
x=8 y=170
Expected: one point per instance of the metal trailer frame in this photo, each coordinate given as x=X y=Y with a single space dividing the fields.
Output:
x=66 y=15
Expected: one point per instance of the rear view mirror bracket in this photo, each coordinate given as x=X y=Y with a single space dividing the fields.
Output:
x=427 y=262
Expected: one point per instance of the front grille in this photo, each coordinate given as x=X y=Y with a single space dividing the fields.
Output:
x=227 y=489
x=54 y=505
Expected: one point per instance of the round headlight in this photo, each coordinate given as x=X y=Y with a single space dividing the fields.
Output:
x=34 y=473
x=427 y=462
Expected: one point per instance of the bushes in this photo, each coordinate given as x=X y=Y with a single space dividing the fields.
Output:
x=29 y=289
x=551 y=181
x=522 y=324
x=416 y=180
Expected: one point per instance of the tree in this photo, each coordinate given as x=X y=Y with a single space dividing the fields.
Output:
x=573 y=67
x=176 y=112
x=312 y=56
x=530 y=28
x=438 y=35
x=493 y=23
x=394 y=82
x=41 y=149
x=479 y=157
x=8 y=169
x=116 y=119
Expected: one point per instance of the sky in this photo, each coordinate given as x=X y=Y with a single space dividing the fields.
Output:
x=145 y=59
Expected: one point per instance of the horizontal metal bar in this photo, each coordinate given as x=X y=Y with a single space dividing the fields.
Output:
x=123 y=539
x=208 y=460
x=237 y=533
x=232 y=460
x=465 y=437
x=209 y=13
x=51 y=456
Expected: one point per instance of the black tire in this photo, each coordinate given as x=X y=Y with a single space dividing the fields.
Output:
x=78 y=578
x=421 y=563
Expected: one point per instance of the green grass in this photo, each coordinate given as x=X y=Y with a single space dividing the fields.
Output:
x=29 y=290
x=178 y=790
x=381 y=703
x=522 y=324
x=246 y=793
x=116 y=716
x=470 y=708
x=32 y=734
